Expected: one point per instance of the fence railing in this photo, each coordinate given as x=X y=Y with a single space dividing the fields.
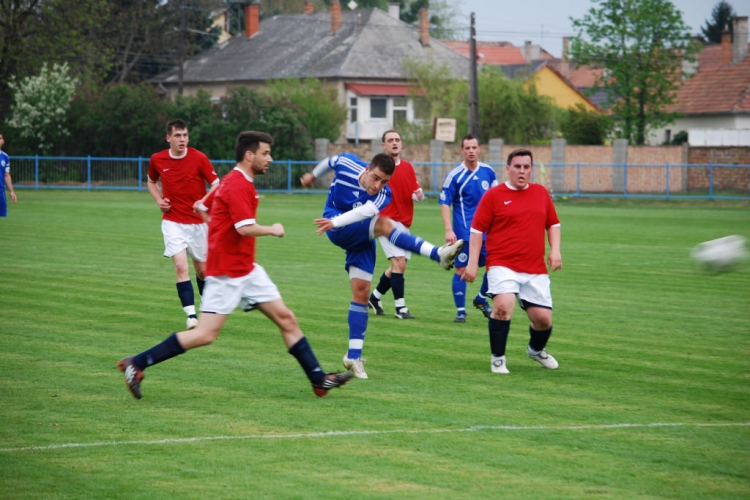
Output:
x=705 y=181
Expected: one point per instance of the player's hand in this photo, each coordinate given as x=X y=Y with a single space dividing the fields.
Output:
x=164 y=205
x=307 y=180
x=323 y=225
x=13 y=197
x=450 y=236
x=554 y=261
x=418 y=195
x=469 y=273
x=277 y=230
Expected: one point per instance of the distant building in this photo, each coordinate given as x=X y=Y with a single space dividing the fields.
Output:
x=359 y=52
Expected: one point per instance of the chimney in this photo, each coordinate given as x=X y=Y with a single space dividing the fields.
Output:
x=726 y=47
x=394 y=10
x=566 y=47
x=739 y=42
x=308 y=7
x=424 y=27
x=527 y=48
x=335 y=9
x=252 y=19
x=565 y=64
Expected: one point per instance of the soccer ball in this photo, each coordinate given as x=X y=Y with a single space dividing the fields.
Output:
x=720 y=255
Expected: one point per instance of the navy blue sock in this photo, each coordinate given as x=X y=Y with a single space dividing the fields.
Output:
x=202 y=283
x=499 y=329
x=412 y=243
x=357 y=329
x=397 y=282
x=307 y=360
x=384 y=285
x=185 y=291
x=169 y=348
x=538 y=340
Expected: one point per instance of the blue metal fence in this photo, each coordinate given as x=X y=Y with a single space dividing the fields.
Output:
x=666 y=181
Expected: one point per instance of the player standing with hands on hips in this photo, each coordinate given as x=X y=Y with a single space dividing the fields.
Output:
x=232 y=275
x=184 y=173
x=515 y=216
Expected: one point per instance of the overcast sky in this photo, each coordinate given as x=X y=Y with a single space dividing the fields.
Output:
x=546 y=22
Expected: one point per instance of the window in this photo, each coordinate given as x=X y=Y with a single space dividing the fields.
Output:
x=378 y=108
x=399 y=111
x=667 y=136
x=352 y=110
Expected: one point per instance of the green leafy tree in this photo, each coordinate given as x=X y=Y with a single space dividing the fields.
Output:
x=40 y=105
x=322 y=114
x=581 y=126
x=721 y=19
x=641 y=45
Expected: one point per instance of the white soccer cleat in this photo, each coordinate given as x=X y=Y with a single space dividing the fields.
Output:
x=544 y=359
x=192 y=323
x=498 y=365
x=356 y=366
x=448 y=253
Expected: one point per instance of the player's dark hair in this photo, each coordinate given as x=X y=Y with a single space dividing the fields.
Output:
x=390 y=132
x=173 y=125
x=469 y=137
x=520 y=152
x=384 y=162
x=249 y=141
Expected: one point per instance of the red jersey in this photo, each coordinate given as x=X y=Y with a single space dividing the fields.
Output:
x=232 y=205
x=403 y=183
x=183 y=181
x=515 y=223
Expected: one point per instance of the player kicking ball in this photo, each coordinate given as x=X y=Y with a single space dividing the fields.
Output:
x=232 y=275
x=350 y=220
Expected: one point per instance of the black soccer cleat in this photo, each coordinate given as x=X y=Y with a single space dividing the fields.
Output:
x=484 y=307
x=133 y=376
x=404 y=313
x=376 y=306
x=331 y=381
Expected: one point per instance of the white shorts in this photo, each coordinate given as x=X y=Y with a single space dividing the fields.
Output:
x=178 y=237
x=389 y=249
x=531 y=288
x=223 y=294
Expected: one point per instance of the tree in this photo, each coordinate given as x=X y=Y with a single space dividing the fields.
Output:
x=641 y=45
x=40 y=105
x=322 y=114
x=721 y=19
x=581 y=126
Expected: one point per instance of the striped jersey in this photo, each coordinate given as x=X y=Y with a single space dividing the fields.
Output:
x=346 y=192
x=463 y=188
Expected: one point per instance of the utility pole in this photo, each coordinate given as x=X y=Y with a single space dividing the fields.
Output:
x=473 y=87
x=183 y=28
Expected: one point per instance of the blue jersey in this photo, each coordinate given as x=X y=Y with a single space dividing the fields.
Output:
x=463 y=188
x=346 y=193
x=4 y=167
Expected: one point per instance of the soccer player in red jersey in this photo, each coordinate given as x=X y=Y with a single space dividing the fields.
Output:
x=405 y=191
x=233 y=277
x=184 y=173
x=515 y=216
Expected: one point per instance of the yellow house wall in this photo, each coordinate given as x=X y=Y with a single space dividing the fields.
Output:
x=551 y=85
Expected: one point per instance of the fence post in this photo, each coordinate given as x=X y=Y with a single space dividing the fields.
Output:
x=667 y=173
x=140 y=173
x=578 y=179
x=711 y=181
x=88 y=172
x=289 y=175
x=624 y=180
x=36 y=172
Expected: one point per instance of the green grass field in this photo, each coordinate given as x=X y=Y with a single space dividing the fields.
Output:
x=652 y=398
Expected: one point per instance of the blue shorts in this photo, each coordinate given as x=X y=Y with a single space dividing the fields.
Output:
x=462 y=259
x=355 y=239
x=3 y=205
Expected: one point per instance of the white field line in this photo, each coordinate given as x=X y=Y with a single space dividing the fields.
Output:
x=478 y=428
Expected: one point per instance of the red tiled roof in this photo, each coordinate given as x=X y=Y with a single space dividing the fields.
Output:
x=490 y=52
x=382 y=89
x=715 y=87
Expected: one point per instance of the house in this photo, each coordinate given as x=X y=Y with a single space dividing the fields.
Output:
x=717 y=97
x=360 y=52
x=533 y=65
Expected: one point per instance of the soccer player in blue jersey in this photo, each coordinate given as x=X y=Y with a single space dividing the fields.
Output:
x=358 y=192
x=5 y=180
x=464 y=186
